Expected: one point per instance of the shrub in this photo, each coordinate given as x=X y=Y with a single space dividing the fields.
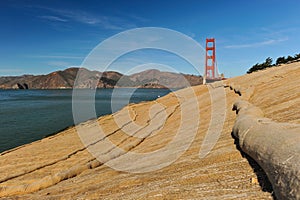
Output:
x=268 y=63
x=264 y=65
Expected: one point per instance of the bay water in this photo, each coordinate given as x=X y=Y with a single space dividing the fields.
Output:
x=29 y=115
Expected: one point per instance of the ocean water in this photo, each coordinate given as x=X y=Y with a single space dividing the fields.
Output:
x=29 y=115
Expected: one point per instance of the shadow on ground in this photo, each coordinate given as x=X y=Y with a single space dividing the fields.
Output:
x=262 y=177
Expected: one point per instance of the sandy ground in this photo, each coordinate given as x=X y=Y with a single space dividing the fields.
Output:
x=60 y=167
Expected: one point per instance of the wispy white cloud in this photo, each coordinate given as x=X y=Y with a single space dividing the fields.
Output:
x=10 y=70
x=78 y=16
x=57 y=56
x=257 y=44
x=53 y=18
x=279 y=31
x=106 y=22
x=58 y=63
x=135 y=17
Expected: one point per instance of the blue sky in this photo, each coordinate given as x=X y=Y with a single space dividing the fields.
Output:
x=38 y=37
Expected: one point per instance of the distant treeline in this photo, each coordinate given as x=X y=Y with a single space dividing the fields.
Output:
x=269 y=63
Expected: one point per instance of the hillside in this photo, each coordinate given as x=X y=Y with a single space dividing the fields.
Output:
x=65 y=79
x=60 y=167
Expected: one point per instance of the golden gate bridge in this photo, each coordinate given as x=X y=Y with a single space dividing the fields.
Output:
x=211 y=73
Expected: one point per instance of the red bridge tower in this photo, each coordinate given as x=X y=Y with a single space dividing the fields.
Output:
x=211 y=72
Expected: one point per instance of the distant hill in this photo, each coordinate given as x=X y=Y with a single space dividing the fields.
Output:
x=110 y=79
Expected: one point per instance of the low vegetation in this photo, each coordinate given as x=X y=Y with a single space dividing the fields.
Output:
x=269 y=63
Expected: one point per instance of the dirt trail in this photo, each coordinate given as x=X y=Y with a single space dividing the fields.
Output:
x=60 y=167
